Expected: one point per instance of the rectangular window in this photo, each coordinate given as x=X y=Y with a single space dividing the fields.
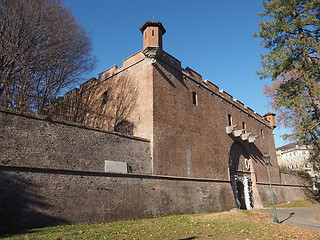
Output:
x=229 y=120
x=261 y=133
x=195 y=98
x=244 y=127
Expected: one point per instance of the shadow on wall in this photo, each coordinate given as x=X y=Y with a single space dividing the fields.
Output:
x=20 y=204
x=240 y=175
x=251 y=150
x=162 y=67
x=99 y=103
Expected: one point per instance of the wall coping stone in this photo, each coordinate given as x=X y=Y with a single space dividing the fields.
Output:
x=128 y=175
x=283 y=185
x=97 y=173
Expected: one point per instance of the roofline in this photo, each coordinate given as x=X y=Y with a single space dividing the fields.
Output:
x=153 y=24
x=287 y=145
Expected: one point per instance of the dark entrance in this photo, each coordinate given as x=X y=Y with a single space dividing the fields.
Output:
x=240 y=181
x=240 y=192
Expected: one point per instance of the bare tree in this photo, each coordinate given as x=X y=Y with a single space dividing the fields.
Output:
x=108 y=105
x=42 y=51
x=121 y=103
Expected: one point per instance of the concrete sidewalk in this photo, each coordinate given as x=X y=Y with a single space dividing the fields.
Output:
x=299 y=217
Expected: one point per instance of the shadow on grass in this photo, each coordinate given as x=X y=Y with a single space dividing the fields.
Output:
x=189 y=238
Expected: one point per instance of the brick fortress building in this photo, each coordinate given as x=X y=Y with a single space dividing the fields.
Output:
x=196 y=130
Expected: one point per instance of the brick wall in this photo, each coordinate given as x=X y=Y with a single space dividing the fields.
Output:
x=194 y=134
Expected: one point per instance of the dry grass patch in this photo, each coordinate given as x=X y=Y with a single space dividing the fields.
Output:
x=303 y=202
x=225 y=225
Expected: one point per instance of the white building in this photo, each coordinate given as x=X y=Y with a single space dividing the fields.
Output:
x=297 y=158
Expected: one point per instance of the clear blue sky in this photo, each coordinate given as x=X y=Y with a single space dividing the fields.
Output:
x=215 y=38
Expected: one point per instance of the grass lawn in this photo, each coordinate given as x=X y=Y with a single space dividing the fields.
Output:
x=304 y=202
x=224 y=225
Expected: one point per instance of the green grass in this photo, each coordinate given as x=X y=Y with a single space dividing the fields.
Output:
x=225 y=225
x=305 y=202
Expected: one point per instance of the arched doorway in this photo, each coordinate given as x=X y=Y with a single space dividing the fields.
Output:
x=240 y=176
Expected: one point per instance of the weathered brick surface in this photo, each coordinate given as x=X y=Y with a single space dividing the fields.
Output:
x=193 y=138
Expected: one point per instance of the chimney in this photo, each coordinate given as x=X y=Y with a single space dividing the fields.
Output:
x=152 y=34
x=271 y=118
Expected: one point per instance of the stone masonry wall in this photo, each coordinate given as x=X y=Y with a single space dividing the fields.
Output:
x=32 y=198
x=33 y=142
x=291 y=188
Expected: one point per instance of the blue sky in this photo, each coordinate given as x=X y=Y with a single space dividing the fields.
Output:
x=215 y=38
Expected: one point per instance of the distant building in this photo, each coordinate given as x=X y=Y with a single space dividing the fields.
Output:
x=296 y=157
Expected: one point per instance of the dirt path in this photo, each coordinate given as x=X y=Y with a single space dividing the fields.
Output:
x=300 y=217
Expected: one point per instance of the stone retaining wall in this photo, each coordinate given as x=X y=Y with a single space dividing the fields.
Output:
x=31 y=141
x=31 y=197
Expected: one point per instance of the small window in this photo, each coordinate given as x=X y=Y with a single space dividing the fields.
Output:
x=105 y=97
x=244 y=127
x=145 y=34
x=229 y=120
x=152 y=32
x=261 y=133
x=195 y=98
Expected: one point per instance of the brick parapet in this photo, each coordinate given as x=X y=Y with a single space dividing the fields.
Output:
x=196 y=76
x=211 y=86
x=67 y=123
x=127 y=62
x=226 y=95
x=192 y=75
x=172 y=61
x=109 y=72
x=104 y=76
x=187 y=72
